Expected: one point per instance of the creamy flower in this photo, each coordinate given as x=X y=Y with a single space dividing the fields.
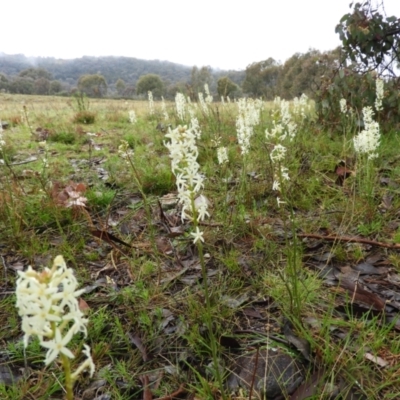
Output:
x=222 y=154
x=203 y=103
x=368 y=140
x=379 y=94
x=248 y=117
x=164 y=109
x=278 y=153
x=276 y=185
x=180 y=104
x=279 y=201
x=299 y=105
x=244 y=132
x=198 y=235
x=183 y=154
x=87 y=364
x=132 y=117
x=276 y=132
x=124 y=150
x=58 y=345
x=285 y=113
x=285 y=127
x=47 y=302
x=2 y=141
x=284 y=174
x=343 y=106
x=209 y=98
x=291 y=129
x=201 y=205
x=151 y=102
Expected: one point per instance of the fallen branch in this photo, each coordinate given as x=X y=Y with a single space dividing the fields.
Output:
x=349 y=239
x=28 y=160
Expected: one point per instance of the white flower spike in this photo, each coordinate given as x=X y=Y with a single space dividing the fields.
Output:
x=47 y=302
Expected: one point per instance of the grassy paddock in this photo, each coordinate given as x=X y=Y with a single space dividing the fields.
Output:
x=255 y=254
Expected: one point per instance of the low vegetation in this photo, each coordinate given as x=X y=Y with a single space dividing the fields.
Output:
x=220 y=249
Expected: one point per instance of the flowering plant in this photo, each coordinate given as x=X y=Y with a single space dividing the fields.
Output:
x=368 y=140
x=132 y=117
x=183 y=153
x=222 y=154
x=47 y=302
x=2 y=141
x=151 y=102
x=379 y=94
x=366 y=144
x=180 y=103
x=248 y=117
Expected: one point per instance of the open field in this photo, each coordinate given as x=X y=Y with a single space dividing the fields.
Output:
x=285 y=272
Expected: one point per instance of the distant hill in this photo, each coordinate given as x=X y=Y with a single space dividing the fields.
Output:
x=112 y=68
x=128 y=69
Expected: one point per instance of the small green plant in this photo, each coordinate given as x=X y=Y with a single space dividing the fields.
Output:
x=81 y=101
x=84 y=117
x=369 y=228
x=63 y=137
x=81 y=106
x=100 y=197
x=396 y=236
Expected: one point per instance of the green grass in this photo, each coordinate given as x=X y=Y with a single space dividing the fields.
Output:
x=155 y=289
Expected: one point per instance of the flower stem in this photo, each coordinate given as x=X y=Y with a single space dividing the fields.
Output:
x=69 y=384
x=208 y=317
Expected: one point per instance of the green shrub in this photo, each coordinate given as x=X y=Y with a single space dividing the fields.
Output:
x=159 y=183
x=84 y=117
x=101 y=198
x=359 y=91
x=63 y=137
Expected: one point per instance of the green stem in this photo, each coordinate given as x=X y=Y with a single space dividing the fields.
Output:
x=69 y=384
x=208 y=317
x=292 y=280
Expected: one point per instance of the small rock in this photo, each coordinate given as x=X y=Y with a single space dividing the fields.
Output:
x=273 y=373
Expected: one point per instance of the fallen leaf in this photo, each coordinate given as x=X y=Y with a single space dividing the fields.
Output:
x=252 y=313
x=137 y=341
x=83 y=306
x=359 y=294
x=342 y=172
x=367 y=268
x=176 y=231
x=387 y=201
x=377 y=360
x=310 y=387
x=300 y=344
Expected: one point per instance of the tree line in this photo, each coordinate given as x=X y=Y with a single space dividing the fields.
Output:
x=31 y=81
x=265 y=79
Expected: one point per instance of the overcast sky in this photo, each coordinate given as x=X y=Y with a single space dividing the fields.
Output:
x=222 y=34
